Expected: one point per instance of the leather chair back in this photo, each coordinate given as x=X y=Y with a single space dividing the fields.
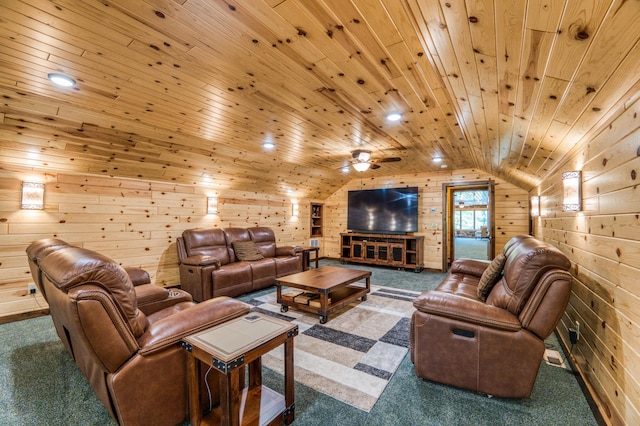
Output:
x=528 y=260
x=265 y=239
x=235 y=234
x=206 y=242
x=38 y=250
x=70 y=266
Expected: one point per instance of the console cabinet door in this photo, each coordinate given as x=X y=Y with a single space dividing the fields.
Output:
x=358 y=250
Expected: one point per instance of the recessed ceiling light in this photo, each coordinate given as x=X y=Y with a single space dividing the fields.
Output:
x=394 y=116
x=61 y=80
x=437 y=159
x=268 y=145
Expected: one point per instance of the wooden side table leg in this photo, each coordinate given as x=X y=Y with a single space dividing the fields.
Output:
x=289 y=383
x=193 y=372
x=230 y=398
x=255 y=373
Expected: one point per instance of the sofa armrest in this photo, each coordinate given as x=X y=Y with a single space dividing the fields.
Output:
x=138 y=276
x=173 y=328
x=201 y=260
x=468 y=310
x=469 y=267
x=288 y=250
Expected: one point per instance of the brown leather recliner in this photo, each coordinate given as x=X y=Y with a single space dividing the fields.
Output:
x=493 y=346
x=209 y=266
x=132 y=358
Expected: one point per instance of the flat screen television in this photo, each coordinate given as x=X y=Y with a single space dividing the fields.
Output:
x=384 y=210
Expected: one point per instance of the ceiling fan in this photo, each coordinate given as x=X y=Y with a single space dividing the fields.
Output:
x=362 y=160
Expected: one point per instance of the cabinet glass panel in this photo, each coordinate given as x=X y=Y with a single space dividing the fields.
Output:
x=383 y=252
x=370 y=251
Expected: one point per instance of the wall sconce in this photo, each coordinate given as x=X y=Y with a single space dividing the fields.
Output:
x=535 y=206
x=212 y=205
x=571 y=191
x=32 y=196
x=295 y=209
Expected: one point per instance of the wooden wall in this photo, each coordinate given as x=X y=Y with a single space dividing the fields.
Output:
x=603 y=243
x=135 y=222
x=511 y=204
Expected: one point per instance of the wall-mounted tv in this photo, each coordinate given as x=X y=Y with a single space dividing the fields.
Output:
x=384 y=210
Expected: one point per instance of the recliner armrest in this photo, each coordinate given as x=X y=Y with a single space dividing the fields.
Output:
x=288 y=250
x=469 y=267
x=201 y=260
x=173 y=328
x=138 y=276
x=467 y=310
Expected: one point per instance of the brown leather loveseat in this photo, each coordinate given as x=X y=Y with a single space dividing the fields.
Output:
x=233 y=261
x=484 y=327
x=129 y=353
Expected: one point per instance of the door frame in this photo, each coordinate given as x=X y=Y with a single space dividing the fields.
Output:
x=447 y=215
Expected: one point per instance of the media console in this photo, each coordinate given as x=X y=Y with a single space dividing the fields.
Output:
x=400 y=251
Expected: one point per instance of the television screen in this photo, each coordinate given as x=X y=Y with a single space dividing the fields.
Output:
x=385 y=210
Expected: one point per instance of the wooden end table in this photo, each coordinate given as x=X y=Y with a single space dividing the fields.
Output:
x=229 y=348
x=307 y=256
x=333 y=286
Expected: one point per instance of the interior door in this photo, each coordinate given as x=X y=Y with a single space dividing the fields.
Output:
x=469 y=221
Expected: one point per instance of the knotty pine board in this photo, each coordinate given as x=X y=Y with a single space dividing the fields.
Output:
x=603 y=244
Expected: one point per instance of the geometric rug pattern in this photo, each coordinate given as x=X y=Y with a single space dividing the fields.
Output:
x=355 y=353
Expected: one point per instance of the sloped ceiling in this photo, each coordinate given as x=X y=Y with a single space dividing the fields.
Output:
x=187 y=91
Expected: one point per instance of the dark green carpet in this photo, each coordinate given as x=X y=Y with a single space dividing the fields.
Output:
x=40 y=385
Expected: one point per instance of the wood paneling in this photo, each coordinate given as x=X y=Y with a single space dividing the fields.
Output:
x=603 y=243
x=187 y=92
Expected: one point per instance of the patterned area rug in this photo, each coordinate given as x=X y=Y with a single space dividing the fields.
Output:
x=354 y=355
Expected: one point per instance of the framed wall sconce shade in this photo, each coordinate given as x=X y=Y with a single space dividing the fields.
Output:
x=572 y=191
x=32 y=196
x=535 y=206
x=295 y=209
x=212 y=205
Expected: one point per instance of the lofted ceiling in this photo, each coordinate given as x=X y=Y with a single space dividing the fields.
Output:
x=187 y=91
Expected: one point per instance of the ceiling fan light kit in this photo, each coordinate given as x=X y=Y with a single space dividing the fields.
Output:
x=361 y=166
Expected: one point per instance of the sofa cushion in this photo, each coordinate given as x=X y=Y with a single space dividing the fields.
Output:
x=206 y=242
x=490 y=276
x=247 y=250
x=265 y=239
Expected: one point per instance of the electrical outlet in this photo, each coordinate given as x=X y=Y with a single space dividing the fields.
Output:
x=31 y=288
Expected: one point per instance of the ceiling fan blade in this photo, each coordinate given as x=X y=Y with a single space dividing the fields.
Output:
x=374 y=166
x=387 y=160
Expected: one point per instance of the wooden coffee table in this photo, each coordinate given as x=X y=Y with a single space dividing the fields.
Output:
x=333 y=285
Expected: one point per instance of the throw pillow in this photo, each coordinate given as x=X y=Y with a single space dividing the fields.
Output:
x=490 y=276
x=247 y=250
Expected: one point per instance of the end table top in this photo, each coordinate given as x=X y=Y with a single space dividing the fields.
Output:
x=233 y=338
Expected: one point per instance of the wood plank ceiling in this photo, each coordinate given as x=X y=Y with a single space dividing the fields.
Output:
x=187 y=91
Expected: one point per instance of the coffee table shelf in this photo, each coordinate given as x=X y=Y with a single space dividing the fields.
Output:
x=334 y=286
